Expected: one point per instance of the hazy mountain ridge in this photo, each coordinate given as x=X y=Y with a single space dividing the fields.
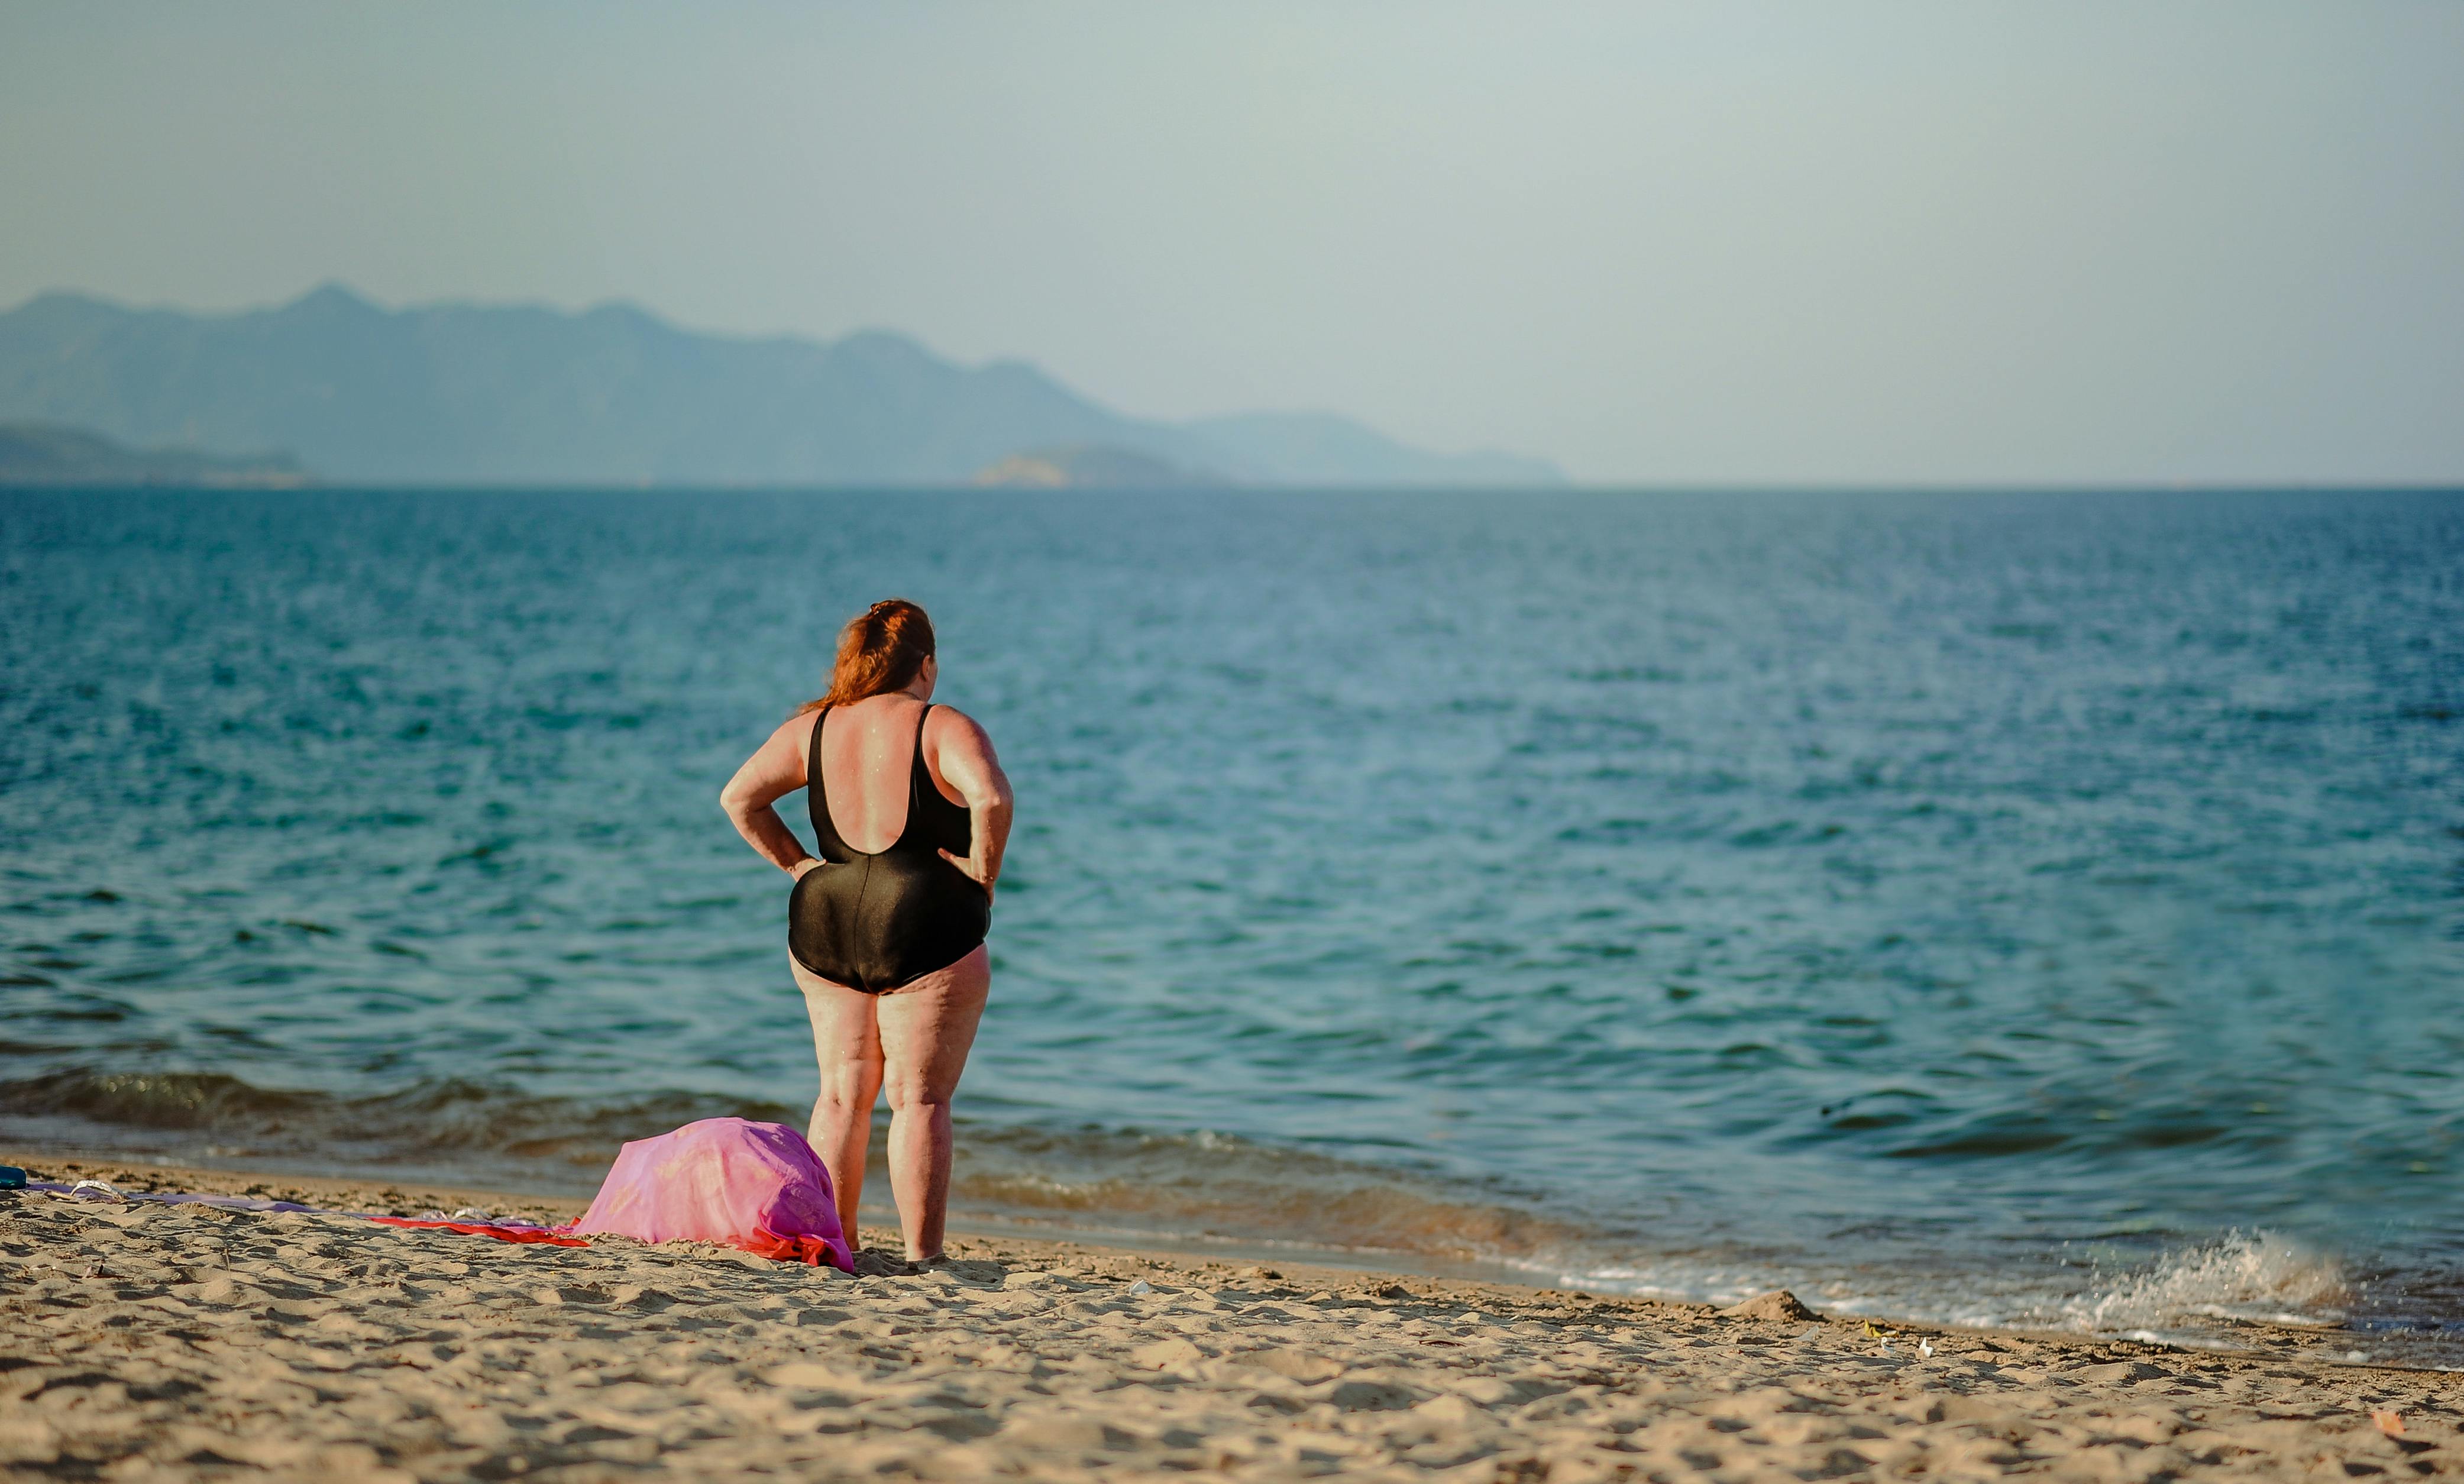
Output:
x=459 y=393
x=45 y=453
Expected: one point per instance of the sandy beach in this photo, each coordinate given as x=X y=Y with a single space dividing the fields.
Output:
x=151 y=1342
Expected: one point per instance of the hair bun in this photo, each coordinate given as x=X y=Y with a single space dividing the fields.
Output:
x=882 y=649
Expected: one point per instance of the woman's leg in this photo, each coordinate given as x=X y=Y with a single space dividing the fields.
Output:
x=926 y=1027
x=847 y=1043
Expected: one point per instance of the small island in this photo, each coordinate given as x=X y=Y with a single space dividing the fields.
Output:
x=1091 y=467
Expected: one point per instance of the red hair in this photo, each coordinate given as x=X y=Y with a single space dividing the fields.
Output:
x=880 y=650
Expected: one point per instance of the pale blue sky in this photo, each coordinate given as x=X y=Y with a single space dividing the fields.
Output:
x=1735 y=242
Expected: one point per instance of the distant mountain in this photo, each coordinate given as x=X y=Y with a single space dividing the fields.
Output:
x=47 y=453
x=1089 y=468
x=1338 y=451
x=457 y=392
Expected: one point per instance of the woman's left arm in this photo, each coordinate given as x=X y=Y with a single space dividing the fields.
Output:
x=776 y=769
x=965 y=755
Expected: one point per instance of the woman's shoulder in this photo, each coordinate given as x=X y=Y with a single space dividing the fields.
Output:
x=945 y=714
x=946 y=724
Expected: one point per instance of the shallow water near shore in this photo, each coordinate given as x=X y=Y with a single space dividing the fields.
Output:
x=2014 y=909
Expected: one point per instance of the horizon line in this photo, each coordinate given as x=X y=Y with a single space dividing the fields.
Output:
x=485 y=486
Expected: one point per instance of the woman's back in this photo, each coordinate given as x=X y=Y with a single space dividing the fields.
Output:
x=868 y=754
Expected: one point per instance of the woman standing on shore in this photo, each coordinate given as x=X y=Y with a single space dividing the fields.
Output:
x=885 y=929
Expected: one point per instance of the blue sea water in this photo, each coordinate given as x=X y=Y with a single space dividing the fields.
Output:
x=2032 y=908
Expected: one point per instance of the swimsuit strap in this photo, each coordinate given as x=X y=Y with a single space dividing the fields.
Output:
x=825 y=829
x=917 y=780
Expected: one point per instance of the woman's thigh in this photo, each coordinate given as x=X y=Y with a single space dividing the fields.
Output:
x=846 y=1038
x=927 y=1025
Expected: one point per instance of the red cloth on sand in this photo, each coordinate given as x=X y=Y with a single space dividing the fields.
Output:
x=483 y=1228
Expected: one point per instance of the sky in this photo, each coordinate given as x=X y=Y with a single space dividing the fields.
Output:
x=1725 y=243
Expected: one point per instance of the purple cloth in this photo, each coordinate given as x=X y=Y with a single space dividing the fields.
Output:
x=757 y=1186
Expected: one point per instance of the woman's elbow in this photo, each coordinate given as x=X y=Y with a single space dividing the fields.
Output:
x=735 y=803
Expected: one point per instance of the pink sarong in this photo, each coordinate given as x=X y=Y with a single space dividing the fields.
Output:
x=757 y=1186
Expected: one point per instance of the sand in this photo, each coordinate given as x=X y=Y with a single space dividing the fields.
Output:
x=146 y=1341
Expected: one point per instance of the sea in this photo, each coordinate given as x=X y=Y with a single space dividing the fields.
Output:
x=2019 y=908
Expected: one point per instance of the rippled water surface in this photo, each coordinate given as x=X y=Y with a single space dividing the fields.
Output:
x=2042 y=908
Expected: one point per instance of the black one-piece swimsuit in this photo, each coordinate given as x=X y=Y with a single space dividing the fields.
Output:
x=875 y=922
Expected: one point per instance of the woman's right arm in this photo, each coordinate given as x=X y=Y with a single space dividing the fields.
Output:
x=775 y=769
x=967 y=761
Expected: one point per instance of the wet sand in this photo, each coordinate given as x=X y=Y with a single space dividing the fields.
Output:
x=148 y=1341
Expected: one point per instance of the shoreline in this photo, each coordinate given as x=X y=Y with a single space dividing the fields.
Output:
x=373 y=1195
x=177 y=1341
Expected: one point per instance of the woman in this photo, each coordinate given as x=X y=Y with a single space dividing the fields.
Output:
x=885 y=929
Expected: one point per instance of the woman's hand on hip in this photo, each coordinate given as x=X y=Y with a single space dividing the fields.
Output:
x=975 y=868
x=806 y=867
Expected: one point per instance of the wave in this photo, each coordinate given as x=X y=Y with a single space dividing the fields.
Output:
x=2216 y=1293
x=2256 y=1279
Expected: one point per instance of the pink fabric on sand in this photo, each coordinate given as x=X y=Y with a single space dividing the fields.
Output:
x=757 y=1186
